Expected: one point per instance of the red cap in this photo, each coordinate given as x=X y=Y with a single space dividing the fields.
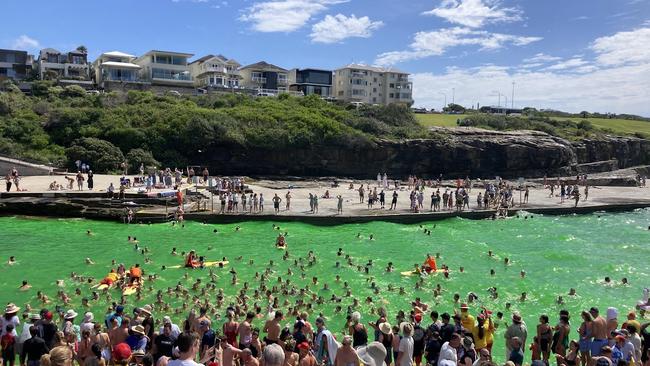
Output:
x=303 y=345
x=48 y=315
x=464 y=306
x=121 y=352
x=418 y=317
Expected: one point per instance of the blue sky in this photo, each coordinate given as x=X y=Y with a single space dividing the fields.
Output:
x=572 y=54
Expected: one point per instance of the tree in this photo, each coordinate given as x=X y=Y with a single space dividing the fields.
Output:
x=82 y=49
x=135 y=157
x=454 y=108
x=100 y=154
x=584 y=114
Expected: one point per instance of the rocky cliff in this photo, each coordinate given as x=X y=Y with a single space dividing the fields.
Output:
x=453 y=152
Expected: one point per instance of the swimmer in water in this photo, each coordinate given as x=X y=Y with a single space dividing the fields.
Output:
x=358 y=235
x=174 y=251
x=490 y=253
x=506 y=261
x=522 y=274
x=11 y=261
x=608 y=280
x=624 y=281
x=89 y=233
x=371 y=237
x=237 y=228
x=89 y=261
x=572 y=292
x=25 y=286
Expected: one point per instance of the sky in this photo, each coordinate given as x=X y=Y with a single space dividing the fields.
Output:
x=570 y=55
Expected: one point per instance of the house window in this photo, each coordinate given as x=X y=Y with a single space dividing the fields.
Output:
x=391 y=85
x=390 y=95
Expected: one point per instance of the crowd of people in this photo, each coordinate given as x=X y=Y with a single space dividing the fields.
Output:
x=420 y=336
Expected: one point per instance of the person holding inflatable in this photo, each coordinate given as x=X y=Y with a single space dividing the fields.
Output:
x=191 y=260
x=280 y=242
x=429 y=264
x=110 y=278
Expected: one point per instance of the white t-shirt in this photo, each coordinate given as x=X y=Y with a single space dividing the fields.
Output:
x=406 y=346
x=183 y=363
x=4 y=322
x=449 y=353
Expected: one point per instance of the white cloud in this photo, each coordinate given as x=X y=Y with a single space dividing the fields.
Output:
x=25 y=42
x=623 y=48
x=622 y=89
x=434 y=43
x=284 y=15
x=336 y=28
x=474 y=13
x=568 y=64
x=542 y=57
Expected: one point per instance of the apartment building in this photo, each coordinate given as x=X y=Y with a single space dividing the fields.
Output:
x=372 y=85
x=311 y=81
x=267 y=78
x=215 y=71
x=166 y=68
x=16 y=65
x=72 y=67
x=117 y=67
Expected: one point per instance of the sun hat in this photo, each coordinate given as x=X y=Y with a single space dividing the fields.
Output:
x=147 y=309
x=406 y=325
x=138 y=353
x=516 y=317
x=373 y=354
x=88 y=317
x=385 y=328
x=11 y=308
x=139 y=329
x=167 y=319
x=35 y=316
x=70 y=314
x=121 y=352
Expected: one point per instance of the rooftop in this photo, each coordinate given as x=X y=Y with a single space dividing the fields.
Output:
x=117 y=54
x=373 y=68
x=264 y=65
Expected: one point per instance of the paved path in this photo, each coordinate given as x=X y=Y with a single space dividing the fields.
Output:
x=539 y=198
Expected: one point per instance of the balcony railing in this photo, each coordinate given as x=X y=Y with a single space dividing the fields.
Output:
x=258 y=79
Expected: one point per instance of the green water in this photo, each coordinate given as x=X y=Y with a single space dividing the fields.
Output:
x=557 y=253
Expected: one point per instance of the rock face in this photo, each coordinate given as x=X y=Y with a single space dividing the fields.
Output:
x=456 y=152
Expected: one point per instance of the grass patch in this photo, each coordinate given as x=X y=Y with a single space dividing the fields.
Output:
x=624 y=126
x=439 y=120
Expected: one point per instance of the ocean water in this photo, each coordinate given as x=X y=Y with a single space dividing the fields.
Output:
x=556 y=252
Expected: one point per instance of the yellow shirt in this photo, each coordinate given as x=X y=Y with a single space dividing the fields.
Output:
x=468 y=321
x=488 y=336
x=112 y=276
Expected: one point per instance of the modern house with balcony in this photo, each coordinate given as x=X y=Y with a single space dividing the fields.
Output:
x=117 y=70
x=166 y=68
x=216 y=72
x=71 y=67
x=266 y=78
x=311 y=81
x=15 y=65
x=372 y=85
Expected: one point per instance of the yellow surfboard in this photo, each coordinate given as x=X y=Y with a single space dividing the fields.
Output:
x=205 y=264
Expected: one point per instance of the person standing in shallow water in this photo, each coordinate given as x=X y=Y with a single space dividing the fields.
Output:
x=339 y=204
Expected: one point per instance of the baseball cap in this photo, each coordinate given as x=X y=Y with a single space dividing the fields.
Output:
x=121 y=352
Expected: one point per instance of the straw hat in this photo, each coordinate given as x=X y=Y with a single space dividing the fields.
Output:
x=70 y=314
x=138 y=353
x=373 y=354
x=11 y=308
x=36 y=316
x=139 y=329
x=516 y=317
x=385 y=328
x=145 y=311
